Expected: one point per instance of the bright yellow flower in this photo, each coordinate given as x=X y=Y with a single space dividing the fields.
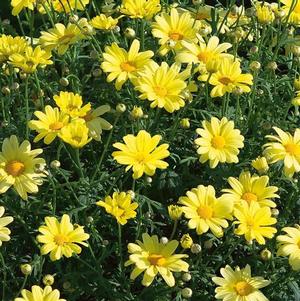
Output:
x=218 y=142
x=186 y=241
x=140 y=9
x=264 y=13
x=141 y=153
x=175 y=212
x=289 y=245
x=4 y=221
x=260 y=164
x=31 y=59
x=119 y=206
x=103 y=22
x=254 y=221
x=228 y=78
x=122 y=65
x=152 y=257
x=17 y=167
x=294 y=7
x=239 y=285
x=71 y=104
x=61 y=238
x=49 y=124
x=172 y=29
x=286 y=148
x=19 y=5
x=251 y=189
x=75 y=133
x=10 y=45
x=40 y=294
x=205 y=211
x=63 y=6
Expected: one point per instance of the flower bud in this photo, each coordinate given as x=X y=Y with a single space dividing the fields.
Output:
x=186 y=241
x=64 y=82
x=94 y=55
x=260 y=164
x=186 y=292
x=73 y=19
x=131 y=193
x=129 y=33
x=196 y=248
x=136 y=113
x=208 y=244
x=15 y=86
x=297 y=84
x=26 y=269
x=48 y=280
x=5 y=90
x=265 y=254
x=185 y=123
x=255 y=66
x=186 y=277
x=164 y=240
x=175 y=212
x=149 y=180
x=23 y=75
x=254 y=50
x=89 y=219
x=272 y=66
x=55 y=164
x=120 y=108
x=105 y=242
x=97 y=72
x=275 y=212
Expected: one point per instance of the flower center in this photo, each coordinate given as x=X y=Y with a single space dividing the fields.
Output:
x=77 y=138
x=140 y=158
x=55 y=126
x=218 y=142
x=71 y=107
x=14 y=168
x=128 y=67
x=161 y=91
x=293 y=149
x=156 y=259
x=225 y=80
x=60 y=239
x=205 y=212
x=175 y=36
x=243 y=288
x=88 y=117
x=203 y=56
x=249 y=197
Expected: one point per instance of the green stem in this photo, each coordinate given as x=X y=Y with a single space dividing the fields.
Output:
x=142 y=34
x=81 y=174
x=4 y=276
x=174 y=229
x=23 y=285
x=120 y=246
x=27 y=107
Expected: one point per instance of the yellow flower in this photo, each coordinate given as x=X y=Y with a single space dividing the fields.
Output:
x=162 y=85
x=260 y=164
x=4 y=221
x=251 y=189
x=136 y=113
x=292 y=9
x=264 y=13
x=63 y=6
x=71 y=104
x=75 y=133
x=122 y=65
x=141 y=153
x=218 y=142
x=286 y=148
x=40 y=294
x=289 y=245
x=103 y=22
x=205 y=211
x=152 y=257
x=228 y=78
x=254 y=221
x=31 y=59
x=49 y=124
x=296 y=100
x=238 y=284
x=119 y=206
x=175 y=212
x=61 y=238
x=186 y=241
x=140 y=9
x=17 y=167
x=18 y=5
x=10 y=45
x=172 y=29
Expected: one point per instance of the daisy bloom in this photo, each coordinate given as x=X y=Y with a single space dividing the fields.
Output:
x=239 y=285
x=286 y=148
x=19 y=5
x=218 y=142
x=292 y=8
x=103 y=22
x=264 y=14
x=140 y=9
x=119 y=206
x=229 y=77
x=205 y=211
x=62 y=6
x=61 y=238
x=40 y=294
x=4 y=221
x=49 y=124
x=17 y=167
x=152 y=257
x=173 y=28
x=260 y=164
x=289 y=245
x=253 y=221
x=10 y=45
x=251 y=189
x=141 y=153
x=122 y=65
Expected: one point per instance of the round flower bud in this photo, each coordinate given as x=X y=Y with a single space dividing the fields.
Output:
x=116 y=29
x=186 y=277
x=197 y=2
x=129 y=33
x=105 y=242
x=265 y=254
x=254 y=50
x=5 y=90
x=89 y=219
x=185 y=123
x=120 y=108
x=97 y=72
x=55 y=164
x=175 y=212
x=297 y=84
x=196 y=248
x=15 y=86
x=260 y=92
x=65 y=70
x=260 y=164
x=275 y=212
x=94 y=55
x=73 y=19
x=164 y=240
x=136 y=113
x=26 y=269
x=255 y=66
x=22 y=75
x=272 y=66
x=208 y=244
x=280 y=14
x=67 y=285
x=186 y=241
x=250 y=12
x=186 y=292
x=131 y=193
x=5 y=22
x=64 y=81
x=48 y=280
x=149 y=180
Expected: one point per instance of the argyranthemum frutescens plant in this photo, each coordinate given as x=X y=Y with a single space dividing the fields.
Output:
x=138 y=159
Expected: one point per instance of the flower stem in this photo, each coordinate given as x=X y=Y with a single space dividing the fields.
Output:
x=27 y=107
x=77 y=156
x=4 y=276
x=120 y=246
x=174 y=229
x=23 y=285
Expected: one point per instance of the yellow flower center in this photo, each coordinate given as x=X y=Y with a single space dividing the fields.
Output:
x=55 y=126
x=205 y=212
x=175 y=36
x=249 y=197
x=71 y=107
x=218 y=142
x=60 y=239
x=243 y=288
x=14 y=168
x=156 y=259
x=128 y=67
x=140 y=157
x=161 y=91
x=225 y=80
x=203 y=56
x=88 y=117
x=30 y=63
x=293 y=149
x=77 y=138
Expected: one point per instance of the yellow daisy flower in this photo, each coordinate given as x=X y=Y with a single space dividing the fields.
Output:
x=285 y=148
x=63 y=6
x=289 y=245
x=119 y=206
x=19 y=5
x=264 y=13
x=122 y=65
x=104 y=23
x=292 y=8
x=254 y=221
x=17 y=167
x=260 y=164
x=49 y=124
x=141 y=153
x=61 y=238
x=218 y=142
x=229 y=77
x=251 y=189
x=239 y=285
x=40 y=294
x=140 y=9
x=205 y=211
x=10 y=45
x=152 y=257
x=4 y=221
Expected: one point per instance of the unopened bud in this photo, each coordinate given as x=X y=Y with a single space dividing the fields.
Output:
x=185 y=123
x=265 y=254
x=186 y=277
x=97 y=72
x=272 y=66
x=131 y=193
x=164 y=240
x=73 y=19
x=196 y=248
x=5 y=90
x=48 y=280
x=129 y=33
x=208 y=244
x=255 y=66
x=26 y=269
x=64 y=81
x=186 y=292
x=55 y=164
x=121 y=108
